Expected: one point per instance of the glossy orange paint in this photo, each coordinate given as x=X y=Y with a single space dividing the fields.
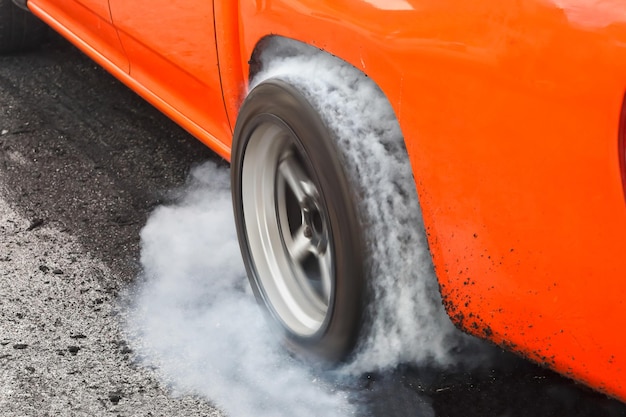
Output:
x=511 y=114
x=172 y=52
x=77 y=23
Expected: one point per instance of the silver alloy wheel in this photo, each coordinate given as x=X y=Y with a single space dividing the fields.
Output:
x=287 y=228
x=298 y=227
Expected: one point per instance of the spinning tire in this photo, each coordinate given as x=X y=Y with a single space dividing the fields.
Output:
x=297 y=222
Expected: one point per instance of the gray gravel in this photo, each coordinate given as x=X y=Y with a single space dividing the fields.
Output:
x=79 y=173
x=62 y=352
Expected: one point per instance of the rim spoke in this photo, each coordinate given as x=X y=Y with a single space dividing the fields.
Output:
x=296 y=178
x=324 y=260
x=299 y=246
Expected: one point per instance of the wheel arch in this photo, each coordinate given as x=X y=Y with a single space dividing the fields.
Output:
x=242 y=29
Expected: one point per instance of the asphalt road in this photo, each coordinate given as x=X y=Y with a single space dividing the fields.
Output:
x=83 y=161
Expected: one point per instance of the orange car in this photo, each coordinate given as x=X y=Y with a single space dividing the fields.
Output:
x=513 y=119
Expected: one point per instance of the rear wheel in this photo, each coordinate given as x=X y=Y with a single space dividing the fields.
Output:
x=19 y=29
x=297 y=222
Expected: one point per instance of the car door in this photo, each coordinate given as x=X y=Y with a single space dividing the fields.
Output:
x=172 y=52
x=90 y=22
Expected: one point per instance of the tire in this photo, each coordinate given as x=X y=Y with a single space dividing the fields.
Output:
x=19 y=29
x=297 y=222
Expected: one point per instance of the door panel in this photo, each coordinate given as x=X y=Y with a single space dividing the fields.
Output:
x=172 y=52
x=90 y=21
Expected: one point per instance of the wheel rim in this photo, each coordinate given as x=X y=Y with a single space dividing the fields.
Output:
x=288 y=232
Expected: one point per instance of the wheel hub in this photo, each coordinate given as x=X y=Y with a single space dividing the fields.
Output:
x=314 y=225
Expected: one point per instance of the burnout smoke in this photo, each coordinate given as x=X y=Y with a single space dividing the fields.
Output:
x=196 y=320
x=407 y=322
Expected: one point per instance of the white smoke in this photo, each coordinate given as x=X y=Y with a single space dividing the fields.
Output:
x=194 y=317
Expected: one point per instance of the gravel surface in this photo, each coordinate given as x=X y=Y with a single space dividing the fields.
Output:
x=79 y=173
x=62 y=352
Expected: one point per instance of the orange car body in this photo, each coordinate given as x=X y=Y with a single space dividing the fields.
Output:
x=512 y=113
